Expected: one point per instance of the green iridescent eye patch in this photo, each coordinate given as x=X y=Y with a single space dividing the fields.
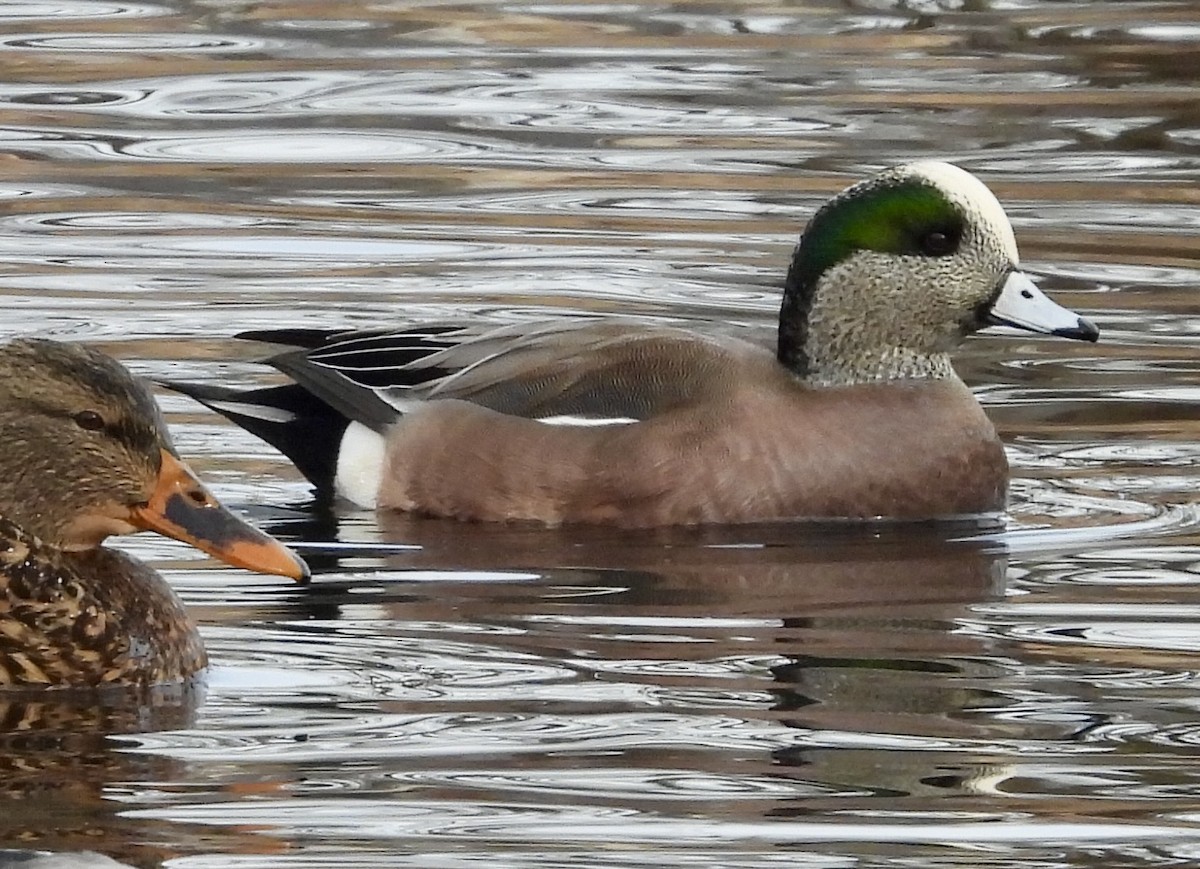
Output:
x=905 y=217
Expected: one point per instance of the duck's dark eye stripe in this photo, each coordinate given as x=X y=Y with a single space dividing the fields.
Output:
x=88 y=420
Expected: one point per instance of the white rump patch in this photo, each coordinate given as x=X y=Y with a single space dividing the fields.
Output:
x=974 y=196
x=360 y=465
x=566 y=419
x=254 y=411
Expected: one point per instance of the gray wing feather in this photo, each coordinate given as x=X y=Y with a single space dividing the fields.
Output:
x=608 y=370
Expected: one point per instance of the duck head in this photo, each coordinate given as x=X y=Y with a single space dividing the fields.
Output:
x=892 y=273
x=85 y=454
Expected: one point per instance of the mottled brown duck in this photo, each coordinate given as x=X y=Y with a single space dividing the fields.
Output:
x=84 y=454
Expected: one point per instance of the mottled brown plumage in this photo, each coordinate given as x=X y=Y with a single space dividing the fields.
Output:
x=90 y=618
x=83 y=455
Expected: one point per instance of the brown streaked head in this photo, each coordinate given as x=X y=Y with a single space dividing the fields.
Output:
x=86 y=455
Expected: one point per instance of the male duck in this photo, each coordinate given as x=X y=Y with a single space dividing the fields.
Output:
x=84 y=454
x=856 y=413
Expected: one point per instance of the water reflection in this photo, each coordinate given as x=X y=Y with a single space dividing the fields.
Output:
x=770 y=571
x=505 y=648
x=54 y=752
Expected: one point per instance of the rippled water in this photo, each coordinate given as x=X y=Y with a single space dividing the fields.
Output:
x=449 y=695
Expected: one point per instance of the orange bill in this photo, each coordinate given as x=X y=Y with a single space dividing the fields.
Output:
x=181 y=507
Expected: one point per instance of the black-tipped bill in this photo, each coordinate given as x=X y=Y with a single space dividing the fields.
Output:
x=181 y=507
x=1023 y=306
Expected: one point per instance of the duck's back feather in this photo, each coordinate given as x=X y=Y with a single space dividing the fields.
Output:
x=609 y=370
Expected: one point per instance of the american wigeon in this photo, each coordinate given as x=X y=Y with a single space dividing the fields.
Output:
x=856 y=412
x=84 y=454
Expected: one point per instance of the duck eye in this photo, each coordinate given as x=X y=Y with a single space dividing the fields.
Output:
x=89 y=420
x=938 y=243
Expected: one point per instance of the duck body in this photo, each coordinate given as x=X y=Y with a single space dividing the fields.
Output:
x=731 y=437
x=756 y=448
x=856 y=412
x=88 y=619
x=84 y=454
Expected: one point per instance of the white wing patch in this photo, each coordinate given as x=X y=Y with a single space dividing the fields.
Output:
x=564 y=419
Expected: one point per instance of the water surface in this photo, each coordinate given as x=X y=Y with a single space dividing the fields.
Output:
x=455 y=696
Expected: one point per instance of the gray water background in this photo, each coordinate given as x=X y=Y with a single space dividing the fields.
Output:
x=449 y=696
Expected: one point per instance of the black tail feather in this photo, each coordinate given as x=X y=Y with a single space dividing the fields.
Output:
x=306 y=338
x=418 y=337
x=289 y=418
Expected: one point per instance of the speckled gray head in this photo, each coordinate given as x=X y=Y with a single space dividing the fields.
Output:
x=892 y=273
